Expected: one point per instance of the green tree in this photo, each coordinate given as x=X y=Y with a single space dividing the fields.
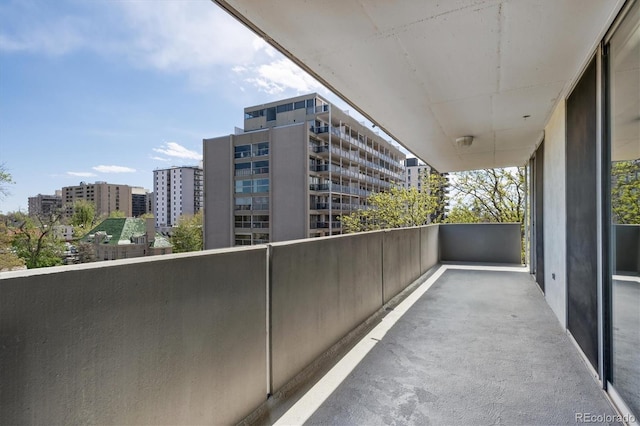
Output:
x=84 y=216
x=5 y=181
x=187 y=235
x=490 y=195
x=117 y=214
x=34 y=239
x=625 y=192
x=8 y=259
x=398 y=207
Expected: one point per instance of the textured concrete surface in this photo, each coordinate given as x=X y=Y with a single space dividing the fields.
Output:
x=480 y=347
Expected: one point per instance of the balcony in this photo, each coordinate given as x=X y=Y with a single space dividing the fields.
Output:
x=204 y=338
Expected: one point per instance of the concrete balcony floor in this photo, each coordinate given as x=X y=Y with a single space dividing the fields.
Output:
x=471 y=345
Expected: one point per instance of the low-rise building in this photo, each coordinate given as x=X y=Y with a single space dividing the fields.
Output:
x=123 y=238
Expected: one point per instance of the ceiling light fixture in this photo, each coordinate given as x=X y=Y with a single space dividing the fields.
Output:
x=464 y=141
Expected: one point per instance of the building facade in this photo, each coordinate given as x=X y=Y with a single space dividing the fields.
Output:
x=45 y=204
x=140 y=201
x=177 y=191
x=414 y=170
x=299 y=164
x=107 y=197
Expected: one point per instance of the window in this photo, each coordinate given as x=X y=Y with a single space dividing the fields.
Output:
x=271 y=114
x=242 y=169
x=242 y=151
x=299 y=105
x=243 y=240
x=260 y=167
x=254 y=114
x=261 y=185
x=243 y=221
x=260 y=149
x=260 y=203
x=284 y=108
x=243 y=186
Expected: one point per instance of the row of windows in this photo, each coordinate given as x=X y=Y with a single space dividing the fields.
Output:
x=248 y=186
x=248 y=239
x=255 y=150
x=249 y=168
x=247 y=221
x=271 y=112
x=252 y=203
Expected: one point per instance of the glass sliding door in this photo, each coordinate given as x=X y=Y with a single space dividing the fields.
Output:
x=623 y=123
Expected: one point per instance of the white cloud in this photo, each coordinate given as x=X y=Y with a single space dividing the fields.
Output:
x=173 y=149
x=280 y=76
x=81 y=174
x=113 y=169
x=159 y=158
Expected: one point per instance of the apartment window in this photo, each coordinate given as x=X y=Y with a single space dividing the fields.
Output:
x=261 y=185
x=260 y=167
x=260 y=203
x=260 y=238
x=242 y=169
x=243 y=203
x=242 y=151
x=284 y=108
x=299 y=105
x=271 y=114
x=254 y=114
x=260 y=222
x=243 y=186
x=243 y=240
x=242 y=222
x=260 y=149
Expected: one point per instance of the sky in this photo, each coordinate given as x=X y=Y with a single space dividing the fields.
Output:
x=109 y=90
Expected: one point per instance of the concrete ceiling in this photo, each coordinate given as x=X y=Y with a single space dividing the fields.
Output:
x=430 y=71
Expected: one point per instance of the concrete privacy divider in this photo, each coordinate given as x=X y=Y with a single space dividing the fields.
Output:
x=176 y=339
x=321 y=289
x=480 y=242
x=400 y=260
x=627 y=254
x=429 y=250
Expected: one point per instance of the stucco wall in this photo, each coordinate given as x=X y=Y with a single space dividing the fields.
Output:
x=555 y=214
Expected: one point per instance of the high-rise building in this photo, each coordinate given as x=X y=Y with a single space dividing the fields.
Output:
x=140 y=201
x=107 y=197
x=299 y=165
x=414 y=172
x=45 y=204
x=177 y=191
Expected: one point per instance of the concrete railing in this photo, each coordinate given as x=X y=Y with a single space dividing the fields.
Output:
x=481 y=242
x=627 y=254
x=176 y=339
x=192 y=338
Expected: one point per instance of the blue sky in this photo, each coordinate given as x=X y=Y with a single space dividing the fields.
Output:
x=111 y=90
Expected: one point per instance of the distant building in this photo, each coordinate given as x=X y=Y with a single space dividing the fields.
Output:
x=298 y=165
x=107 y=197
x=45 y=204
x=414 y=171
x=177 y=191
x=140 y=201
x=123 y=238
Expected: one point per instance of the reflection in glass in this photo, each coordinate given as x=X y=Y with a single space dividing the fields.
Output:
x=624 y=86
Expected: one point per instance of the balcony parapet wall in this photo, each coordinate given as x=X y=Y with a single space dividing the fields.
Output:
x=200 y=338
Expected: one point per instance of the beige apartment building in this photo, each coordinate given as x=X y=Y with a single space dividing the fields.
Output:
x=298 y=165
x=107 y=197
